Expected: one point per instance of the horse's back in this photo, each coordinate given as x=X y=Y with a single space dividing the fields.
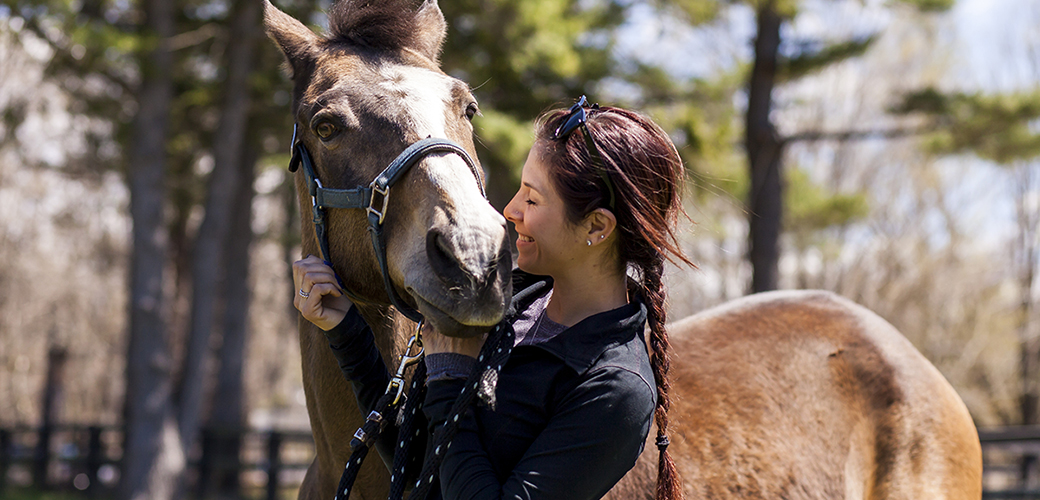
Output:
x=808 y=395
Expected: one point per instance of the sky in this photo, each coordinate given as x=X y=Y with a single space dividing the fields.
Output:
x=994 y=46
x=984 y=46
x=999 y=43
x=993 y=38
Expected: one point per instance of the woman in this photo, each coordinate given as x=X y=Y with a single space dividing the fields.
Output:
x=595 y=215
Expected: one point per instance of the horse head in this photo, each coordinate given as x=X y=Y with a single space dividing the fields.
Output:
x=362 y=94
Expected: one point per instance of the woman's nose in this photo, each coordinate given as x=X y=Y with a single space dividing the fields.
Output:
x=511 y=213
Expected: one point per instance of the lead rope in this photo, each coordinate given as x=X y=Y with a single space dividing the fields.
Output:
x=365 y=436
x=480 y=383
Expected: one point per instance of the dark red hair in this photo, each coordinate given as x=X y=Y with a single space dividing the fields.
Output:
x=648 y=178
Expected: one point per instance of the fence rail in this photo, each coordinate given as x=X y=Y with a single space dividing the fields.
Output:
x=87 y=458
x=1011 y=469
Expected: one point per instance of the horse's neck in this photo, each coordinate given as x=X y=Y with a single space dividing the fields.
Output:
x=334 y=414
x=390 y=330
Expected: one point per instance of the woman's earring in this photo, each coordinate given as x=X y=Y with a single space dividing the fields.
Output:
x=589 y=242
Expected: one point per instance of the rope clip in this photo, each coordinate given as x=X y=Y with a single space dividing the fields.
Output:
x=407 y=359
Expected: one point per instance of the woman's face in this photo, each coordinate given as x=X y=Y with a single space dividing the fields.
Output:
x=547 y=243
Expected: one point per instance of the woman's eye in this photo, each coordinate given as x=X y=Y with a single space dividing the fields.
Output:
x=471 y=110
x=325 y=130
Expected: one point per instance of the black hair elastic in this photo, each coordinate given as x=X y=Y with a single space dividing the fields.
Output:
x=662 y=443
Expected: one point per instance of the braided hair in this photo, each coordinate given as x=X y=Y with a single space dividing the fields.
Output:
x=647 y=178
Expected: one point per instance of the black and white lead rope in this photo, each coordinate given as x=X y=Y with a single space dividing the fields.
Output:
x=480 y=384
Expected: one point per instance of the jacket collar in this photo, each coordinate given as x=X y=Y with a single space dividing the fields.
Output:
x=582 y=344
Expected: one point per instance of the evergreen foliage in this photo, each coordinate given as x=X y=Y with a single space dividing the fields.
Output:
x=996 y=127
x=522 y=58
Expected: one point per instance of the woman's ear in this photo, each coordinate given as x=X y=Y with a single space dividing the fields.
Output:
x=600 y=224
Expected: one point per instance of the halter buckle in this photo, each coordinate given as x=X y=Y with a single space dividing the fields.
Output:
x=317 y=200
x=385 y=193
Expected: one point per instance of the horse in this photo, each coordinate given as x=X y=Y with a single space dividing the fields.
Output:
x=807 y=395
x=780 y=395
x=360 y=97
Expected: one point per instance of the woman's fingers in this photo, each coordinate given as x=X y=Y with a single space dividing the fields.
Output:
x=312 y=270
x=318 y=276
x=318 y=295
x=313 y=304
x=301 y=266
x=325 y=306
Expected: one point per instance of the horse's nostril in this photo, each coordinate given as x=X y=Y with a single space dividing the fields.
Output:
x=467 y=261
x=443 y=260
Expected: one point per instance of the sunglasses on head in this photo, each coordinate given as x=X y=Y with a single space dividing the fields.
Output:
x=577 y=118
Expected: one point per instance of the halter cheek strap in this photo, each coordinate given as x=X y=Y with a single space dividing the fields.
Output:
x=374 y=199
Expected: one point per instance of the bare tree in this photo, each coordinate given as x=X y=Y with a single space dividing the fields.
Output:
x=224 y=182
x=764 y=144
x=152 y=458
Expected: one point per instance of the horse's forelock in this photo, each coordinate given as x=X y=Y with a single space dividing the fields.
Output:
x=380 y=24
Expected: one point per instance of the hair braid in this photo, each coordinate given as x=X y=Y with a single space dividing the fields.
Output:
x=669 y=485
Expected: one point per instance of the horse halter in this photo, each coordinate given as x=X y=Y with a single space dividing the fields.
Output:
x=374 y=199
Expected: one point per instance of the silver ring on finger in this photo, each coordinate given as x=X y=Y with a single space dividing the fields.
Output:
x=304 y=294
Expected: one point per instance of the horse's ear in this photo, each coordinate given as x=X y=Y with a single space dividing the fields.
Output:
x=432 y=30
x=298 y=43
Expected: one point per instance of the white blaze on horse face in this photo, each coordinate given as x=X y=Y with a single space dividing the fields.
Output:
x=478 y=229
x=425 y=95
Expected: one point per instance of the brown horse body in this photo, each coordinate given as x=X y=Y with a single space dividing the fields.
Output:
x=785 y=395
x=806 y=395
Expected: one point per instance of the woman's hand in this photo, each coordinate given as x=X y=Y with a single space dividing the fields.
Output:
x=434 y=343
x=318 y=295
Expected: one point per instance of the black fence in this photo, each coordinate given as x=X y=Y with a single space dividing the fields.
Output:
x=264 y=464
x=271 y=464
x=1011 y=462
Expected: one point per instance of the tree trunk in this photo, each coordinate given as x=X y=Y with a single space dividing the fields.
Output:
x=150 y=468
x=228 y=417
x=209 y=246
x=764 y=149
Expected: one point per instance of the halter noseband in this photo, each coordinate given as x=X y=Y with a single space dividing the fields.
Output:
x=374 y=199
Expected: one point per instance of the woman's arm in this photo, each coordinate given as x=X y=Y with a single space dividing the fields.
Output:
x=321 y=301
x=353 y=345
x=590 y=443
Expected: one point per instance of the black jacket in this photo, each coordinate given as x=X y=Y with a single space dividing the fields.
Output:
x=572 y=413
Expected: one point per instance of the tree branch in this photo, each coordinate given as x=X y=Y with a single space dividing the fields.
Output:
x=855 y=135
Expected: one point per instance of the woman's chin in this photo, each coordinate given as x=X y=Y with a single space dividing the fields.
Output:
x=524 y=264
x=530 y=268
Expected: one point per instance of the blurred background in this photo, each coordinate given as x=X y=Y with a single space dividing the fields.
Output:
x=885 y=150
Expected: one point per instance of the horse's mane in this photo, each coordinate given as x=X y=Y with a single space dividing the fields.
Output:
x=380 y=24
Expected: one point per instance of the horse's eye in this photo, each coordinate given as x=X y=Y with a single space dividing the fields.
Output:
x=471 y=110
x=325 y=130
